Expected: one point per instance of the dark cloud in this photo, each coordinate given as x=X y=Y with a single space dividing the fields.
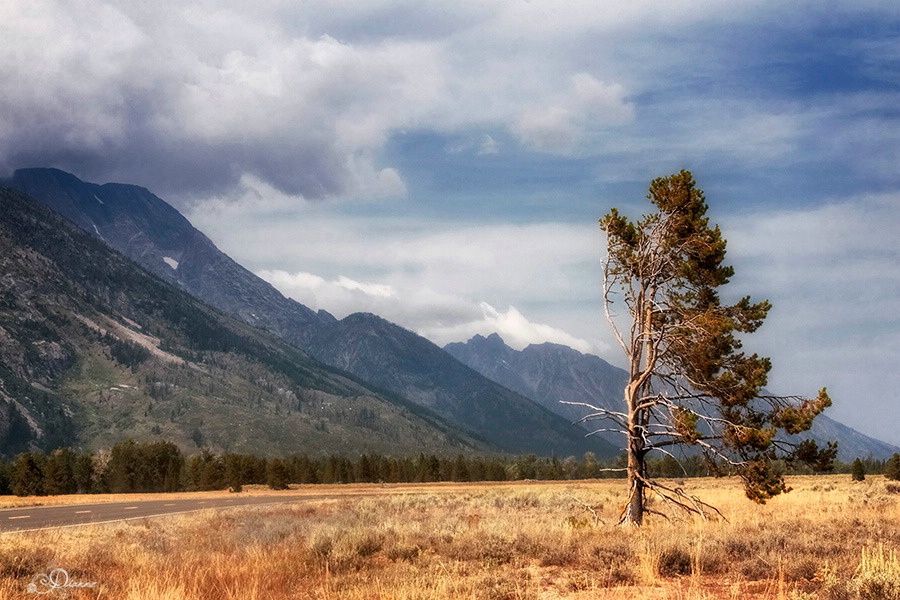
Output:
x=174 y=163
x=160 y=101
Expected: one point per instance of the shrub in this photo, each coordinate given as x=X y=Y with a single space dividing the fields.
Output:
x=613 y=557
x=832 y=586
x=322 y=545
x=878 y=576
x=858 y=471
x=805 y=568
x=369 y=544
x=489 y=548
x=674 y=562
x=403 y=552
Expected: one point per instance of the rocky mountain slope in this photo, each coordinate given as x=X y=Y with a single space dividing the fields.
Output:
x=94 y=349
x=153 y=234
x=550 y=373
x=394 y=358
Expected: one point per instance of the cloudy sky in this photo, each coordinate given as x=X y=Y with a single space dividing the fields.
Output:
x=444 y=164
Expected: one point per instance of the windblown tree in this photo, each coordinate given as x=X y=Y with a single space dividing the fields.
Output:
x=689 y=382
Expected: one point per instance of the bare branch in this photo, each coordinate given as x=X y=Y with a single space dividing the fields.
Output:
x=607 y=303
x=589 y=508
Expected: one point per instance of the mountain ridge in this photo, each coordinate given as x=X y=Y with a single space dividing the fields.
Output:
x=392 y=360
x=94 y=349
x=148 y=230
x=551 y=373
x=404 y=360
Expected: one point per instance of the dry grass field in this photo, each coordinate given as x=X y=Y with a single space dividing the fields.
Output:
x=829 y=538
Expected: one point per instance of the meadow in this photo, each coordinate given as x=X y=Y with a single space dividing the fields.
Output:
x=829 y=538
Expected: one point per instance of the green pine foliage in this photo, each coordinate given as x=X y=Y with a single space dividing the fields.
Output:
x=59 y=472
x=27 y=474
x=277 y=476
x=858 y=470
x=205 y=472
x=130 y=467
x=892 y=468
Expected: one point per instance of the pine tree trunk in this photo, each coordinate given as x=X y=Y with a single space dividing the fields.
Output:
x=642 y=362
x=634 y=513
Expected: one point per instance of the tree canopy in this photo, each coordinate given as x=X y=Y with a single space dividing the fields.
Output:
x=690 y=382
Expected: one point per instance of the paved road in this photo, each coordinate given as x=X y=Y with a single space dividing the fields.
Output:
x=39 y=517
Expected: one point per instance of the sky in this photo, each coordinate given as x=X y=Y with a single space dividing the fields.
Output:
x=444 y=164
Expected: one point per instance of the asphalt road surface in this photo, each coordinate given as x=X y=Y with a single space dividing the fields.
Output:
x=40 y=517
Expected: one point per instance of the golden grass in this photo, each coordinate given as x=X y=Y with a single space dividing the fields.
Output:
x=827 y=539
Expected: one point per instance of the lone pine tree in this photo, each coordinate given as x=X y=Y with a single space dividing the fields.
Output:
x=689 y=382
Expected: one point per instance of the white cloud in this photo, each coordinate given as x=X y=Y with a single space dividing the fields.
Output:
x=373 y=183
x=228 y=90
x=488 y=146
x=342 y=295
x=560 y=123
x=290 y=283
x=187 y=98
x=190 y=98
x=845 y=251
x=425 y=311
x=371 y=289
x=439 y=281
x=515 y=329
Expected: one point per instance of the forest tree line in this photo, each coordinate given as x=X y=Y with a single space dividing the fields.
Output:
x=130 y=467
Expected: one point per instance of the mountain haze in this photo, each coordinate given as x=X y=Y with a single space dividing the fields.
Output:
x=550 y=374
x=400 y=363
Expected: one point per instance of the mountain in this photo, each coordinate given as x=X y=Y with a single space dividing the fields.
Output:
x=400 y=363
x=550 y=373
x=394 y=358
x=152 y=233
x=851 y=443
x=93 y=349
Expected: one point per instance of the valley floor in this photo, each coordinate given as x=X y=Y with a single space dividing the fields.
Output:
x=829 y=538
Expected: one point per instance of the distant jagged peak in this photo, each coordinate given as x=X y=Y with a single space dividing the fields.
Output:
x=492 y=345
x=495 y=343
x=492 y=340
x=553 y=347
